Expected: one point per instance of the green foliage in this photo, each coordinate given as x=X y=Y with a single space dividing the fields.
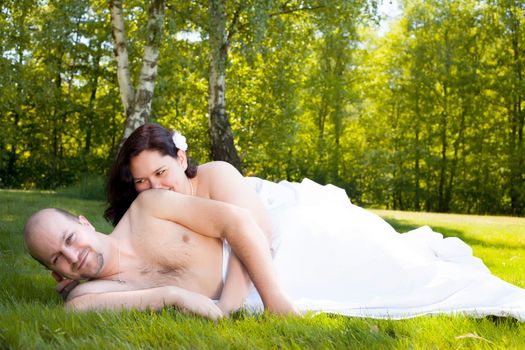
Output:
x=32 y=316
x=442 y=108
x=428 y=116
x=89 y=187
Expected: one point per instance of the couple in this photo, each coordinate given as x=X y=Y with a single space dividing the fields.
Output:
x=304 y=246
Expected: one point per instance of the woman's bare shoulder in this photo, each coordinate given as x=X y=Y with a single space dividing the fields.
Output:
x=214 y=175
x=217 y=167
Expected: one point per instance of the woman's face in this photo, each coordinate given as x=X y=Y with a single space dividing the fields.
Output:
x=151 y=169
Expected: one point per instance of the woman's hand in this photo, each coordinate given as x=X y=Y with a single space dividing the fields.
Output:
x=64 y=285
x=227 y=307
x=280 y=305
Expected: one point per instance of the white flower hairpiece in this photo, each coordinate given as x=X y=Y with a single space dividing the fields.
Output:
x=179 y=140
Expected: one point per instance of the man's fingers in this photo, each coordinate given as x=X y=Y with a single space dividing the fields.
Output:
x=214 y=313
x=56 y=276
x=65 y=286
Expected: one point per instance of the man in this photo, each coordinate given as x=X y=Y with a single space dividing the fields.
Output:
x=166 y=250
x=330 y=256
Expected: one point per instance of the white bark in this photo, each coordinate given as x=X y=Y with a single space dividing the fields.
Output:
x=127 y=94
x=137 y=104
x=142 y=103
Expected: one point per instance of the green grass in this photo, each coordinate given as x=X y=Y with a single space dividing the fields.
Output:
x=31 y=314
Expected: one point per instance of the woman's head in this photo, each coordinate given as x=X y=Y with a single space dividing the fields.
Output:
x=147 y=159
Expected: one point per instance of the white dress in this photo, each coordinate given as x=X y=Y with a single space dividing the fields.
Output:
x=333 y=256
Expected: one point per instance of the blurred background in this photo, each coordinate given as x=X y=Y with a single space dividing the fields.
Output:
x=410 y=105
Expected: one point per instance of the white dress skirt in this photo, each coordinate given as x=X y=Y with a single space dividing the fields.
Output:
x=333 y=256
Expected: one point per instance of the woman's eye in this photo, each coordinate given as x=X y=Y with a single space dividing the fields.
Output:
x=139 y=181
x=160 y=172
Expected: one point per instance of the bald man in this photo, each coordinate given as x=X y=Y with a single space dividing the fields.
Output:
x=166 y=250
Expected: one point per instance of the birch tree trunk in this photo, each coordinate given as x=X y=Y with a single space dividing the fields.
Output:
x=118 y=31
x=137 y=103
x=221 y=135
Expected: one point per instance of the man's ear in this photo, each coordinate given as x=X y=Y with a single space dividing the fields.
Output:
x=182 y=159
x=85 y=221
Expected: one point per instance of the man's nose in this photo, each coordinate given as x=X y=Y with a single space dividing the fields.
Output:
x=70 y=254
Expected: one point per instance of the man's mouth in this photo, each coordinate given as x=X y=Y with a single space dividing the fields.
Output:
x=83 y=258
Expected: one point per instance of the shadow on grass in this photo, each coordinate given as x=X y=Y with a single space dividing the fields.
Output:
x=402 y=227
x=28 y=288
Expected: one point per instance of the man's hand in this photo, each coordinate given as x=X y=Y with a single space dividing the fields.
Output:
x=198 y=304
x=64 y=285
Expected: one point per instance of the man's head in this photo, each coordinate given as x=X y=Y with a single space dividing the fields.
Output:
x=65 y=243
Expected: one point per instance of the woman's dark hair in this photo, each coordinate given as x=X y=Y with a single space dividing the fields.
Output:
x=120 y=187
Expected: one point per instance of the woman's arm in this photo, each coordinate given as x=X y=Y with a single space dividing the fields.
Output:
x=142 y=299
x=236 y=286
x=224 y=183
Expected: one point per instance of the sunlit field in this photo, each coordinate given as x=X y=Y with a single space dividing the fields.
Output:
x=31 y=313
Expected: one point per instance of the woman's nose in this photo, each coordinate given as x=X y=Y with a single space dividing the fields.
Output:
x=155 y=184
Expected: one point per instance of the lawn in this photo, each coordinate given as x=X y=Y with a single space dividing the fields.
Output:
x=31 y=314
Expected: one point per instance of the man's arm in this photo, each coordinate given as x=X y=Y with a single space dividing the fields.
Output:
x=222 y=220
x=109 y=295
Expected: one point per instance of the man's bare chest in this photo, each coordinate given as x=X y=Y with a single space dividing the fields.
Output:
x=169 y=254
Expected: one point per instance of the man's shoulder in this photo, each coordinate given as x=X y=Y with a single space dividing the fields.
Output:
x=146 y=198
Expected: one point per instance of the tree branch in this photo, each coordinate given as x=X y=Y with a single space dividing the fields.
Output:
x=233 y=25
x=286 y=11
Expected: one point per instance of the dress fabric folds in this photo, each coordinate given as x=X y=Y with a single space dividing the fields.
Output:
x=333 y=256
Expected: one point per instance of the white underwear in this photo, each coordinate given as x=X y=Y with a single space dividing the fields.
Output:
x=226 y=249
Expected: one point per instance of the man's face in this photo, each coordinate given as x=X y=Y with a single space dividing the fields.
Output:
x=67 y=246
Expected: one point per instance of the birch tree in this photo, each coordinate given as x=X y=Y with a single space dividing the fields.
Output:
x=221 y=135
x=137 y=101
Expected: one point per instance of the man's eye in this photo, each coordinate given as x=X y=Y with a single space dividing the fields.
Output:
x=69 y=239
